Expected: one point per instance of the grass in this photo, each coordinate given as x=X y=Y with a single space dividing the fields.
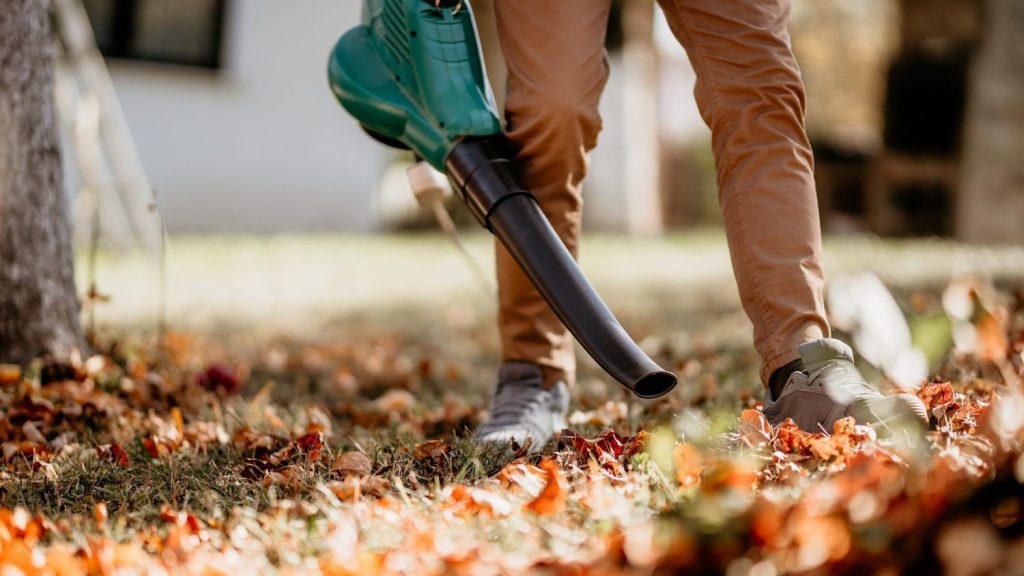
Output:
x=383 y=344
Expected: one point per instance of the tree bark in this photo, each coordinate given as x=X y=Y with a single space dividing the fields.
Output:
x=642 y=164
x=991 y=198
x=38 y=302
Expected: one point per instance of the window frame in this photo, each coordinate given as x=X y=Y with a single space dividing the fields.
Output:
x=123 y=30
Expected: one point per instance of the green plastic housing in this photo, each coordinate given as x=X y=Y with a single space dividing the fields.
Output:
x=413 y=72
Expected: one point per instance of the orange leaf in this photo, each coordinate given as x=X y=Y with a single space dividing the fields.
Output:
x=821 y=446
x=935 y=394
x=754 y=427
x=637 y=445
x=479 y=501
x=10 y=373
x=689 y=463
x=526 y=476
x=179 y=421
x=101 y=515
x=790 y=439
x=992 y=344
x=551 y=499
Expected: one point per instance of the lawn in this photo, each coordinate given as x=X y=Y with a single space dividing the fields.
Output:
x=309 y=409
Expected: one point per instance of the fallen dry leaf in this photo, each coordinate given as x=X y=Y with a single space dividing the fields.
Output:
x=936 y=395
x=219 y=376
x=479 y=501
x=114 y=453
x=352 y=463
x=434 y=450
x=10 y=374
x=689 y=462
x=311 y=444
x=754 y=427
x=992 y=343
x=551 y=499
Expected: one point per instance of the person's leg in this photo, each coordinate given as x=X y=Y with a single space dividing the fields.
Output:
x=750 y=94
x=557 y=69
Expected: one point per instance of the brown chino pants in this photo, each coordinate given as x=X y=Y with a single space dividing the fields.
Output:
x=750 y=94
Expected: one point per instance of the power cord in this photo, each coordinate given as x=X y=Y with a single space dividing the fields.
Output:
x=430 y=188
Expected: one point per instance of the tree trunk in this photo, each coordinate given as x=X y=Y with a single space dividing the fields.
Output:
x=643 y=209
x=38 y=303
x=991 y=198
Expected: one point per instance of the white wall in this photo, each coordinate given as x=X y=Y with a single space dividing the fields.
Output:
x=261 y=145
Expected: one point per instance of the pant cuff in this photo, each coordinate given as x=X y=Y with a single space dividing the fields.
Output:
x=776 y=361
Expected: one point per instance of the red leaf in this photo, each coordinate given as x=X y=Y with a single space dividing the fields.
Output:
x=610 y=443
x=218 y=376
x=151 y=446
x=116 y=454
x=312 y=444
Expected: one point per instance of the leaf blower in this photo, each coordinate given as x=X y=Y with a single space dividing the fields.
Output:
x=412 y=75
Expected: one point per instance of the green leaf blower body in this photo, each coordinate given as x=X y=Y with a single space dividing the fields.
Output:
x=413 y=77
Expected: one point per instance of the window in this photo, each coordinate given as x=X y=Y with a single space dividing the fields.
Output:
x=186 y=32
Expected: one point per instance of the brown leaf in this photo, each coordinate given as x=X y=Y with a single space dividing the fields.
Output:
x=352 y=463
x=353 y=487
x=287 y=478
x=551 y=499
x=430 y=450
x=247 y=440
x=394 y=401
x=32 y=433
x=375 y=485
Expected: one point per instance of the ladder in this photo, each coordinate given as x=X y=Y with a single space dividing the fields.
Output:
x=116 y=192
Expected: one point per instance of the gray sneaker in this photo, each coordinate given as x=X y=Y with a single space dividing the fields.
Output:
x=522 y=409
x=830 y=388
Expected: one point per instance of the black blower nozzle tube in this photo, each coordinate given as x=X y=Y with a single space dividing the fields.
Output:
x=484 y=174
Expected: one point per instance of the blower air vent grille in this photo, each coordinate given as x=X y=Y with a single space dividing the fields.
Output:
x=395 y=35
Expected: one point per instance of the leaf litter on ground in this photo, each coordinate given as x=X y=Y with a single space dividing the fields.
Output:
x=180 y=460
